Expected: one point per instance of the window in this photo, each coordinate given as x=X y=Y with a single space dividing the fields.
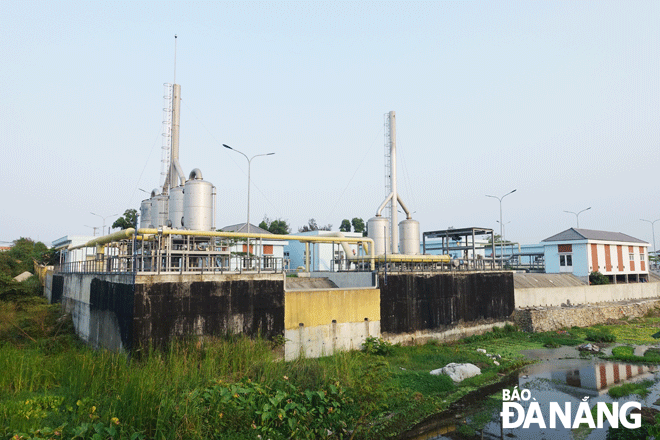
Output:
x=566 y=260
x=631 y=256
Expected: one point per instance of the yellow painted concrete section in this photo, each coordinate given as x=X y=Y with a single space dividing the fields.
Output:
x=320 y=307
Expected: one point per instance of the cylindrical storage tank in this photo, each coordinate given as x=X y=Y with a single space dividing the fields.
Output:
x=379 y=231
x=159 y=210
x=175 y=208
x=145 y=213
x=409 y=237
x=198 y=203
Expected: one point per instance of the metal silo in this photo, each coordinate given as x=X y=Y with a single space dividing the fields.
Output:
x=145 y=213
x=409 y=237
x=378 y=230
x=159 y=210
x=198 y=203
x=175 y=208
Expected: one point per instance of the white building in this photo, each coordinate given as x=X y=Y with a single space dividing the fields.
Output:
x=69 y=259
x=270 y=252
x=620 y=257
x=326 y=257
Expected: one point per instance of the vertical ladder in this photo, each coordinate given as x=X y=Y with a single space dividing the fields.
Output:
x=388 y=166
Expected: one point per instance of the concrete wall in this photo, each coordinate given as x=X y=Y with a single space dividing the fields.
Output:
x=100 y=306
x=318 y=322
x=413 y=303
x=172 y=306
x=555 y=296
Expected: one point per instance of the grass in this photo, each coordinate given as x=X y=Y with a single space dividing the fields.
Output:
x=639 y=388
x=53 y=383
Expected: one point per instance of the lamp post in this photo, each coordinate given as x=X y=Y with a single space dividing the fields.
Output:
x=248 y=191
x=501 y=225
x=103 y=230
x=504 y=230
x=577 y=215
x=652 y=232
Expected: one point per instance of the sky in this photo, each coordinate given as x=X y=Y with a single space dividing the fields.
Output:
x=557 y=100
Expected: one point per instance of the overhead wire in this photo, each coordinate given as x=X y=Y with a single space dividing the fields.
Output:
x=231 y=157
x=353 y=176
x=130 y=202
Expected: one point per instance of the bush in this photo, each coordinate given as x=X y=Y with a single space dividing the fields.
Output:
x=373 y=345
x=596 y=278
x=600 y=336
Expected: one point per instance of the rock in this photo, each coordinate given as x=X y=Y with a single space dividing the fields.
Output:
x=481 y=350
x=22 y=277
x=496 y=363
x=589 y=347
x=458 y=372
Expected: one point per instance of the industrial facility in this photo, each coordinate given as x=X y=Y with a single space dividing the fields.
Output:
x=177 y=274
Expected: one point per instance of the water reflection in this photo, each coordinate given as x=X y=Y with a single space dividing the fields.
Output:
x=560 y=377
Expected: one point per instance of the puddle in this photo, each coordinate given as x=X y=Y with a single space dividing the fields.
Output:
x=561 y=376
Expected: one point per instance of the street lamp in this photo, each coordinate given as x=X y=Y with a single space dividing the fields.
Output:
x=103 y=230
x=501 y=226
x=577 y=215
x=248 y=194
x=652 y=232
x=504 y=230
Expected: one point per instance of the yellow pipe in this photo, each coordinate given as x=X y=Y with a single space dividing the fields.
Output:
x=115 y=236
x=411 y=258
x=302 y=238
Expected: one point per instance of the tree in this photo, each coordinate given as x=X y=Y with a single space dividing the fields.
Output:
x=21 y=256
x=345 y=226
x=312 y=226
x=358 y=224
x=278 y=226
x=127 y=220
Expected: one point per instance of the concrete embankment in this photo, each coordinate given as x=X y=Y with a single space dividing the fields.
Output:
x=543 y=319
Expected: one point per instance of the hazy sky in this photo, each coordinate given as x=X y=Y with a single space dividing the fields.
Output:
x=559 y=100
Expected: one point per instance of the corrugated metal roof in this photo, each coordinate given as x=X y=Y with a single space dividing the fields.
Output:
x=534 y=280
x=242 y=227
x=573 y=234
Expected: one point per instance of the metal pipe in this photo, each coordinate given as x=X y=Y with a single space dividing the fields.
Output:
x=115 y=236
x=407 y=211
x=196 y=173
x=382 y=206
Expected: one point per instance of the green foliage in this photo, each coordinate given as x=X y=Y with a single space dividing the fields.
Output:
x=596 y=278
x=277 y=226
x=623 y=350
x=497 y=333
x=313 y=226
x=374 y=345
x=639 y=388
x=11 y=290
x=21 y=256
x=345 y=225
x=281 y=411
x=126 y=221
x=423 y=382
x=600 y=335
x=358 y=224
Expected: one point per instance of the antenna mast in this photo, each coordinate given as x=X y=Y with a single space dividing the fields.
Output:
x=174 y=58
